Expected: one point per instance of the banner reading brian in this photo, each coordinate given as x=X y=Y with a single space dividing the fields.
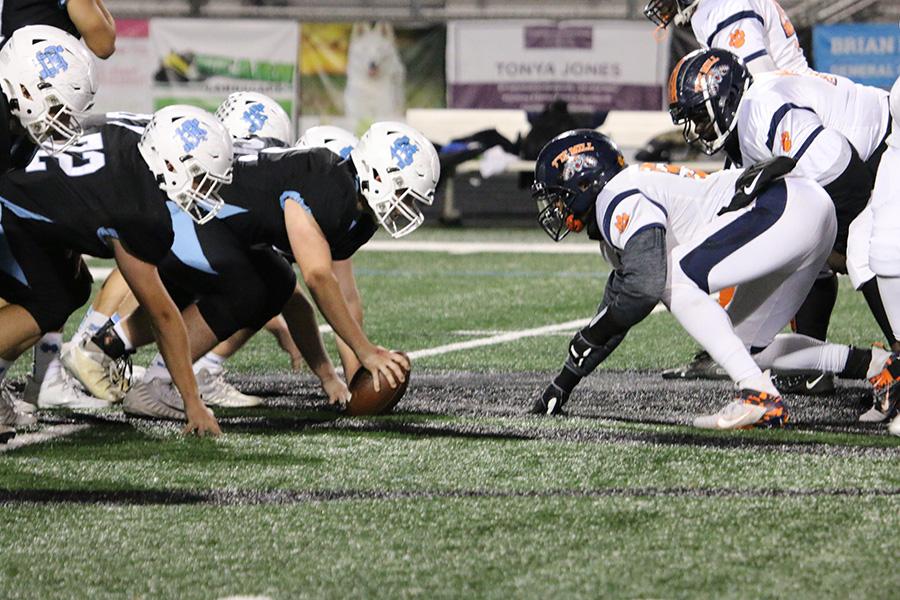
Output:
x=201 y=61
x=599 y=65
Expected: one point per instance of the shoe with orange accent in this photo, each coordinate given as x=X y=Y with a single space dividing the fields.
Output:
x=886 y=391
x=750 y=409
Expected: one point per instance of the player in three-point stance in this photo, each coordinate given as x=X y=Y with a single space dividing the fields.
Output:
x=675 y=235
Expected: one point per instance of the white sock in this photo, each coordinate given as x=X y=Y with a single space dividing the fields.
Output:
x=760 y=383
x=120 y=331
x=46 y=352
x=157 y=370
x=91 y=323
x=211 y=363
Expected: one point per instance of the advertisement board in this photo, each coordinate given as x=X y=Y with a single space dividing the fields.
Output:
x=597 y=65
x=867 y=53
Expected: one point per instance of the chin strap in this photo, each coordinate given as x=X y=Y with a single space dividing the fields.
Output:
x=575 y=224
x=660 y=36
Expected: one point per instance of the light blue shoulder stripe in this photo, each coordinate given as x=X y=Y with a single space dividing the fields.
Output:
x=187 y=245
x=292 y=195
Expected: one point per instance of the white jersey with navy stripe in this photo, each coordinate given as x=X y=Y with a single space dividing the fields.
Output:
x=808 y=117
x=678 y=199
x=758 y=31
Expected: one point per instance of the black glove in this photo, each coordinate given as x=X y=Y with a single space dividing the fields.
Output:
x=550 y=402
x=757 y=179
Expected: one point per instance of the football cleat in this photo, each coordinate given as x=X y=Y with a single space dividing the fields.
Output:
x=60 y=392
x=885 y=392
x=894 y=426
x=215 y=391
x=550 y=402
x=8 y=413
x=100 y=375
x=702 y=367
x=806 y=384
x=155 y=399
x=750 y=409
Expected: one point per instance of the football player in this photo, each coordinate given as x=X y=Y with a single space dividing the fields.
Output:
x=114 y=208
x=675 y=235
x=318 y=209
x=884 y=259
x=85 y=19
x=48 y=81
x=836 y=130
x=757 y=31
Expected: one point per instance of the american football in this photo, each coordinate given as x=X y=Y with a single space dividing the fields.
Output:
x=365 y=400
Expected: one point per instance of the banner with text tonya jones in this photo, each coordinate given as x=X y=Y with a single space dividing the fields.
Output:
x=201 y=61
x=600 y=65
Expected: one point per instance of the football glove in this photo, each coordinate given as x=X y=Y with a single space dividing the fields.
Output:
x=551 y=401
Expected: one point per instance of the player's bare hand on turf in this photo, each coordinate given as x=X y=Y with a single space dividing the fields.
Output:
x=337 y=391
x=202 y=421
x=390 y=364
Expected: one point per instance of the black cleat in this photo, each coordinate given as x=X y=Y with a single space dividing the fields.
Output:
x=702 y=367
x=804 y=384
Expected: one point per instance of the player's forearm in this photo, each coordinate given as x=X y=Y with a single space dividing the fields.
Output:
x=328 y=297
x=304 y=329
x=172 y=341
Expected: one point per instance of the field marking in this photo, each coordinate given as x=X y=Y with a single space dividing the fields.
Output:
x=51 y=433
x=476 y=247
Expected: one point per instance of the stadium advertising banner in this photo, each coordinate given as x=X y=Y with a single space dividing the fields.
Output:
x=867 y=53
x=353 y=74
x=603 y=65
x=126 y=75
x=201 y=61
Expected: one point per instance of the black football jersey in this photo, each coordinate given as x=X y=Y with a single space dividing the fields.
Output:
x=16 y=149
x=99 y=188
x=19 y=13
x=319 y=180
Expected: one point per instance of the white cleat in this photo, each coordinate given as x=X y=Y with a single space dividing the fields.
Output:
x=894 y=427
x=92 y=369
x=61 y=392
x=215 y=391
x=155 y=399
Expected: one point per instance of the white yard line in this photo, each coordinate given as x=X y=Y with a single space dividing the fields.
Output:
x=473 y=247
x=53 y=432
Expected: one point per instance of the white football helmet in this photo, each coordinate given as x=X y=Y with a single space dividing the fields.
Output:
x=252 y=115
x=190 y=153
x=397 y=167
x=338 y=140
x=49 y=79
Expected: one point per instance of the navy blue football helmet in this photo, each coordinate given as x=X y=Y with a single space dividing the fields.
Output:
x=705 y=91
x=663 y=12
x=569 y=173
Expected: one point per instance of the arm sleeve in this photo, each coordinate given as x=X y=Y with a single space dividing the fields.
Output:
x=634 y=289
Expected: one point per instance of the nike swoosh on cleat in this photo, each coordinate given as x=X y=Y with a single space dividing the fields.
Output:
x=724 y=423
x=748 y=189
x=811 y=384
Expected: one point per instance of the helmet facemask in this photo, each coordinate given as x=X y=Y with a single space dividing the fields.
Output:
x=190 y=153
x=663 y=12
x=553 y=209
x=397 y=169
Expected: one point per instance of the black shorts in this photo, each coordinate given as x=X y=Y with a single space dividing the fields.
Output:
x=48 y=281
x=234 y=287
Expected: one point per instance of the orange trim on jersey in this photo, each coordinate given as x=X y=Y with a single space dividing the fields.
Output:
x=725 y=296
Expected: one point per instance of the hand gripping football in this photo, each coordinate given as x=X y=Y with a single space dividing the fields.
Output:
x=364 y=400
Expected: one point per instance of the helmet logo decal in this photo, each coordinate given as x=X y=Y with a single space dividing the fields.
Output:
x=578 y=163
x=52 y=61
x=711 y=76
x=572 y=151
x=402 y=150
x=191 y=134
x=256 y=116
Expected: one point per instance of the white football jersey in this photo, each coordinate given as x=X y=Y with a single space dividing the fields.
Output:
x=758 y=31
x=809 y=117
x=651 y=194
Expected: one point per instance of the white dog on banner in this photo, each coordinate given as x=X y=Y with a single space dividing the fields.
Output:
x=376 y=76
